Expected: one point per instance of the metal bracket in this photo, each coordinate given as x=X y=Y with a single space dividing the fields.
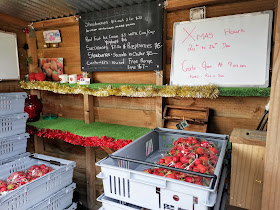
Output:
x=197 y=13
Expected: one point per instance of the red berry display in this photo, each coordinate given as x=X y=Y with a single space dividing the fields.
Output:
x=190 y=154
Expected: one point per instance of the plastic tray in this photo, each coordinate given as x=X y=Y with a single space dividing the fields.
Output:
x=125 y=180
x=34 y=192
x=58 y=201
x=12 y=103
x=13 y=145
x=12 y=124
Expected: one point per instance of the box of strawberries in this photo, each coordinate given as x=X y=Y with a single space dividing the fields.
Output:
x=30 y=179
x=166 y=169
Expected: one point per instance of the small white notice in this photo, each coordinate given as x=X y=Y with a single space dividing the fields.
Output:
x=84 y=81
x=149 y=147
x=229 y=51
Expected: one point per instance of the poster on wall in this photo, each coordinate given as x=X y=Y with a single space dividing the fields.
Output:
x=229 y=51
x=52 y=67
x=122 y=39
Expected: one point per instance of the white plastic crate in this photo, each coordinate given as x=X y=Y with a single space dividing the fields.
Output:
x=12 y=103
x=58 y=201
x=112 y=204
x=125 y=180
x=39 y=189
x=12 y=124
x=13 y=145
x=14 y=158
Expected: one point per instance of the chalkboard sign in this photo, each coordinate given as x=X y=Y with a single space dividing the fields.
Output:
x=122 y=39
x=230 y=51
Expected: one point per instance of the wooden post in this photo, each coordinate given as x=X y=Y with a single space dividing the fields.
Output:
x=271 y=192
x=91 y=177
x=32 y=52
x=39 y=144
x=88 y=109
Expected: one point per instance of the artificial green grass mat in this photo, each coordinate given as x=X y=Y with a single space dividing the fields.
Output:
x=79 y=127
x=223 y=91
x=244 y=92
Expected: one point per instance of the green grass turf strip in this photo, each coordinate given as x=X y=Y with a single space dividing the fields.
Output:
x=244 y=92
x=232 y=91
x=99 y=129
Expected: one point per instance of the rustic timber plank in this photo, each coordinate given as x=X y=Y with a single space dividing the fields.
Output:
x=91 y=177
x=13 y=21
x=138 y=118
x=148 y=104
x=192 y=127
x=247 y=168
x=229 y=107
x=108 y=150
x=32 y=52
x=147 y=77
x=39 y=144
x=66 y=21
x=250 y=137
x=185 y=4
x=271 y=192
x=63 y=110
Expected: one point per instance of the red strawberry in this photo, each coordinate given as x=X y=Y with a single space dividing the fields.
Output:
x=190 y=138
x=184 y=159
x=202 y=168
x=42 y=166
x=200 y=151
x=3 y=189
x=180 y=154
x=178 y=165
x=175 y=143
x=161 y=161
x=175 y=159
x=168 y=160
x=172 y=152
x=189 y=179
x=198 y=161
x=195 y=169
x=205 y=144
x=172 y=176
x=198 y=183
x=161 y=174
x=149 y=171
x=31 y=76
x=194 y=141
x=213 y=150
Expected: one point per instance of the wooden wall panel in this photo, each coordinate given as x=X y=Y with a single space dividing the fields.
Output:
x=227 y=113
x=68 y=106
x=126 y=103
x=139 y=118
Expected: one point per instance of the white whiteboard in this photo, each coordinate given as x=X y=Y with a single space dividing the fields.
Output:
x=9 y=65
x=229 y=51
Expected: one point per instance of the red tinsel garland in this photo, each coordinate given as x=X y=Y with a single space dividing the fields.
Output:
x=71 y=138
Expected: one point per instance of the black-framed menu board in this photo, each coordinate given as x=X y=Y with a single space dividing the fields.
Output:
x=122 y=39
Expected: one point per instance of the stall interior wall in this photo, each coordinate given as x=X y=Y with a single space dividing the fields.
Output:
x=13 y=86
x=226 y=113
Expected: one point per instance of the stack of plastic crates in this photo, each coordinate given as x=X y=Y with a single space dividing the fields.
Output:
x=52 y=191
x=126 y=186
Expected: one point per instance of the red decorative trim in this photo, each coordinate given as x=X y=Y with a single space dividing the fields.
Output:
x=71 y=138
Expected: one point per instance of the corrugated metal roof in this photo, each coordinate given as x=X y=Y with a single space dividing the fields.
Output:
x=37 y=10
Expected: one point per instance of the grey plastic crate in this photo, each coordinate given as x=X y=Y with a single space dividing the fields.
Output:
x=12 y=103
x=12 y=146
x=32 y=193
x=125 y=180
x=58 y=201
x=72 y=207
x=12 y=124
x=14 y=158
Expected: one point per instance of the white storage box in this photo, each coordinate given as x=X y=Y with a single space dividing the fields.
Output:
x=58 y=201
x=12 y=124
x=124 y=179
x=12 y=103
x=13 y=145
x=39 y=189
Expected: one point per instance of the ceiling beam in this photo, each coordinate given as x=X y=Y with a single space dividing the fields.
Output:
x=66 y=21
